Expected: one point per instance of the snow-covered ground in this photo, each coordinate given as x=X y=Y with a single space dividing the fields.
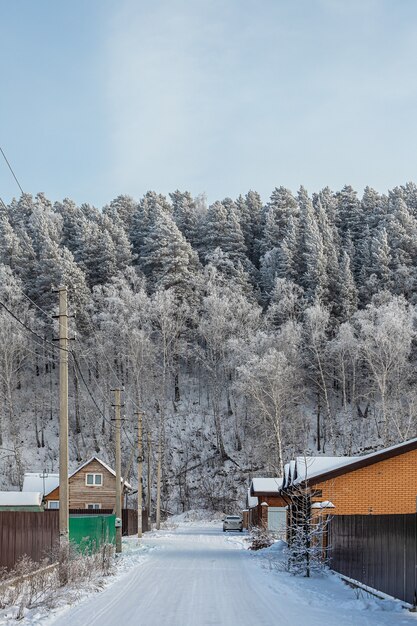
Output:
x=192 y=574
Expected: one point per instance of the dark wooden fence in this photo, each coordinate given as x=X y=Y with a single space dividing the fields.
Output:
x=36 y=534
x=27 y=532
x=377 y=550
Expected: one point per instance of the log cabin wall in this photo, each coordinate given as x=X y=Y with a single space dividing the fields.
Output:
x=81 y=494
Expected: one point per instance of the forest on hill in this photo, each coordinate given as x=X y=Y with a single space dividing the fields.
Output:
x=248 y=332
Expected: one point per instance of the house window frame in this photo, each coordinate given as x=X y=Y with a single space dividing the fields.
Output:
x=53 y=508
x=93 y=506
x=94 y=475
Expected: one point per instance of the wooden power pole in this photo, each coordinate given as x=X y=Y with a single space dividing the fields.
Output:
x=158 y=483
x=63 y=417
x=118 y=508
x=148 y=484
x=140 y=472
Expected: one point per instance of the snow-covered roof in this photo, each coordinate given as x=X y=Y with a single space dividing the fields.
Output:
x=107 y=467
x=38 y=481
x=20 y=498
x=252 y=501
x=44 y=482
x=310 y=466
x=266 y=485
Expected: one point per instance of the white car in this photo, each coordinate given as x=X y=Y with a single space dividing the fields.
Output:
x=232 y=522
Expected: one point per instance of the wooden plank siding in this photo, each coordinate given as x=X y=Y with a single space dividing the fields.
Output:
x=81 y=494
x=35 y=534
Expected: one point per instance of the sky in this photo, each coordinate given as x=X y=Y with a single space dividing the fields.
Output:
x=107 y=97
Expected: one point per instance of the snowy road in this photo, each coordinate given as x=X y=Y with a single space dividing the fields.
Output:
x=197 y=576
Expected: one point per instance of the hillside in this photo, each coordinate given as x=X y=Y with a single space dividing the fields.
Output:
x=248 y=332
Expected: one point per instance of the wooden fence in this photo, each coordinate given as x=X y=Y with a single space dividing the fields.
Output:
x=36 y=534
x=27 y=532
x=377 y=550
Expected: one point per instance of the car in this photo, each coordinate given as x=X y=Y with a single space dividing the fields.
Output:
x=232 y=522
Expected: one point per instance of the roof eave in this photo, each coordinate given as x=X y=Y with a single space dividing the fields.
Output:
x=375 y=457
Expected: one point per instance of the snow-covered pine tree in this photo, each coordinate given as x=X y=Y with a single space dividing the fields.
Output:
x=314 y=263
x=185 y=215
x=222 y=230
x=167 y=259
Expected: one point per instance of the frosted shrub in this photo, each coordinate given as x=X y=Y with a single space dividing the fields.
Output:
x=32 y=584
x=305 y=553
x=260 y=538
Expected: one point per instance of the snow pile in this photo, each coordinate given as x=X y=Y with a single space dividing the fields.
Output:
x=197 y=516
x=63 y=598
x=326 y=589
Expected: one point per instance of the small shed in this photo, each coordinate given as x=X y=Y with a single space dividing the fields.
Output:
x=267 y=507
x=21 y=501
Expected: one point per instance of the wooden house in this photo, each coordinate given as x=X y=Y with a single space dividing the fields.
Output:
x=91 y=486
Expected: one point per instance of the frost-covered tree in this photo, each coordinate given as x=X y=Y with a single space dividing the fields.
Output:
x=271 y=383
x=314 y=280
x=167 y=259
x=222 y=230
x=185 y=215
x=385 y=334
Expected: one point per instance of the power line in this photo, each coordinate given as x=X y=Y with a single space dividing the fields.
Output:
x=32 y=302
x=98 y=343
x=4 y=206
x=11 y=169
x=105 y=400
x=55 y=347
x=88 y=388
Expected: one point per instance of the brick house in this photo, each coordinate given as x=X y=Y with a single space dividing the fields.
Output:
x=383 y=482
x=91 y=486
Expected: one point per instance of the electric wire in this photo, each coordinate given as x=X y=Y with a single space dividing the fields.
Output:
x=3 y=205
x=11 y=169
x=54 y=346
x=94 y=333
x=57 y=347
x=88 y=388
x=45 y=313
x=71 y=352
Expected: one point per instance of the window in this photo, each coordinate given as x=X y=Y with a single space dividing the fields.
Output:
x=53 y=504
x=94 y=480
x=93 y=506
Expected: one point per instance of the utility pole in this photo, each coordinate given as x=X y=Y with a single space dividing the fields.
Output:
x=148 y=485
x=140 y=472
x=118 y=508
x=63 y=416
x=158 y=483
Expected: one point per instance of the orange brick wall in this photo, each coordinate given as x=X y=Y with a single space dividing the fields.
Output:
x=389 y=486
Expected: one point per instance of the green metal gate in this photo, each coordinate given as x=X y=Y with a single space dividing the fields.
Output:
x=89 y=532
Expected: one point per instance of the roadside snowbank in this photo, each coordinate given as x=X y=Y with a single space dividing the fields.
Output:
x=325 y=589
x=195 y=516
x=66 y=597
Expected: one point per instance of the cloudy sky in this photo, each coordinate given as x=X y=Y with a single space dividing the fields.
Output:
x=103 y=97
